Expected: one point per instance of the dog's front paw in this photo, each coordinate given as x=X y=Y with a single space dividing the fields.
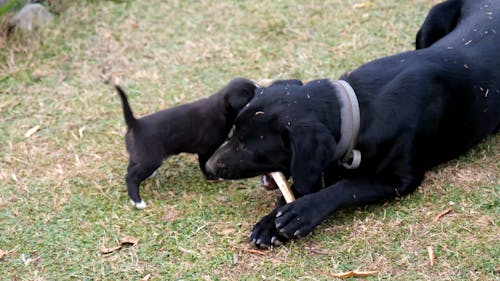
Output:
x=264 y=233
x=297 y=219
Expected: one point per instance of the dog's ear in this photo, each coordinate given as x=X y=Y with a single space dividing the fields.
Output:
x=238 y=93
x=313 y=150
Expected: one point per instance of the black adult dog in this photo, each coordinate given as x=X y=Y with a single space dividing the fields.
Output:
x=198 y=127
x=417 y=109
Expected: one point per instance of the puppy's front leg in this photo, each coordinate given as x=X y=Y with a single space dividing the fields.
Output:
x=299 y=218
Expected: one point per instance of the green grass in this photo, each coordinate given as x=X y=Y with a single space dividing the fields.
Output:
x=62 y=191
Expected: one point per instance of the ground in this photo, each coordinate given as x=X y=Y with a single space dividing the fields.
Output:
x=63 y=159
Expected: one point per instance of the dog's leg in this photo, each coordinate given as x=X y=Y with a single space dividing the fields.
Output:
x=299 y=218
x=440 y=21
x=135 y=175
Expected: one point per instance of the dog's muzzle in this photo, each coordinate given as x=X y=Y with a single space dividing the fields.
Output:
x=215 y=168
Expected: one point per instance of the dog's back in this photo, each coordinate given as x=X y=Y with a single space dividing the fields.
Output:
x=446 y=95
x=470 y=62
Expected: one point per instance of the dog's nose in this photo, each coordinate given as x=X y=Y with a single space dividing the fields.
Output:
x=215 y=168
x=210 y=167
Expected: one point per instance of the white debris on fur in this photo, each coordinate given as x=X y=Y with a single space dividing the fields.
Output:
x=31 y=16
x=140 y=206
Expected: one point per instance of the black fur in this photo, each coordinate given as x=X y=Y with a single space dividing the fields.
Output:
x=198 y=127
x=418 y=109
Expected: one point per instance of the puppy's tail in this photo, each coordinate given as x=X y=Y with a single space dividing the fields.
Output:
x=127 y=111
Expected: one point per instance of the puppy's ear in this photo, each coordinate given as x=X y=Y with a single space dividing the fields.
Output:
x=312 y=152
x=238 y=93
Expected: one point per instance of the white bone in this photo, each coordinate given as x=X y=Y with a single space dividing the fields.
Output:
x=283 y=185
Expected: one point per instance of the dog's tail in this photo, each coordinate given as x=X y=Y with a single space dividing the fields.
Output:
x=127 y=111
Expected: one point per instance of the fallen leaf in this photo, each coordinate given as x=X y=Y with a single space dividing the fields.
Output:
x=440 y=215
x=365 y=4
x=355 y=274
x=252 y=251
x=344 y=274
x=146 y=278
x=124 y=241
x=319 y=252
x=105 y=250
x=129 y=240
x=2 y=254
x=227 y=231
x=430 y=251
x=31 y=131
x=486 y=221
x=37 y=74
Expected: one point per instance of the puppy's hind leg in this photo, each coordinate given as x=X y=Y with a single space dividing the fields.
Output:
x=135 y=175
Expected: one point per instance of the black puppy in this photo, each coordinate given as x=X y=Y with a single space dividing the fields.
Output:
x=416 y=110
x=198 y=127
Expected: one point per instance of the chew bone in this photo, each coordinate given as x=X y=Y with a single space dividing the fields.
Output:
x=283 y=185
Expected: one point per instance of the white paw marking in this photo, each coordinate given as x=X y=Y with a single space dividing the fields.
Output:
x=140 y=206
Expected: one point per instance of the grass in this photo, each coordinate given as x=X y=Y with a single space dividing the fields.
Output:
x=62 y=192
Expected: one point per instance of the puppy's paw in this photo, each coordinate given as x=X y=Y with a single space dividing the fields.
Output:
x=297 y=219
x=264 y=233
x=138 y=205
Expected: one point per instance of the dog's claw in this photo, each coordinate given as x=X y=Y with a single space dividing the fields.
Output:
x=279 y=214
x=283 y=232
x=275 y=241
x=296 y=233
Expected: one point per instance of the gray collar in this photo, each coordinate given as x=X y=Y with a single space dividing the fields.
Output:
x=345 y=153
